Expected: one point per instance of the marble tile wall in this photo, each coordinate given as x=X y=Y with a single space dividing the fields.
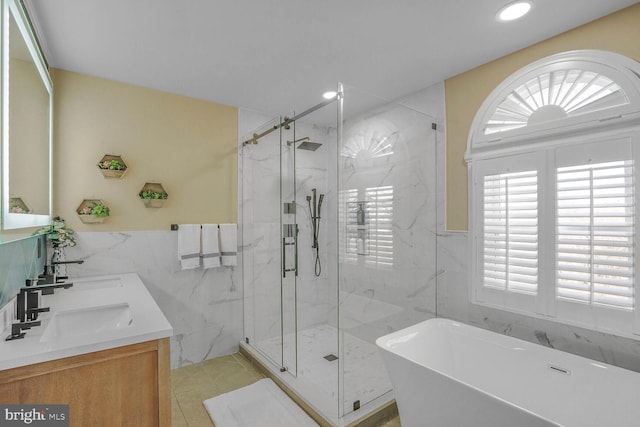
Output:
x=259 y=217
x=453 y=303
x=405 y=292
x=261 y=212
x=203 y=306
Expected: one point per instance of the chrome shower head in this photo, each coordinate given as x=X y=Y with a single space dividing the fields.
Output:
x=309 y=146
x=306 y=144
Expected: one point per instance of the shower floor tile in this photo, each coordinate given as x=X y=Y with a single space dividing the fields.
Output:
x=365 y=376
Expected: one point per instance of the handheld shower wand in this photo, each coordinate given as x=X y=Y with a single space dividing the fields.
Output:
x=314 y=213
x=320 y=204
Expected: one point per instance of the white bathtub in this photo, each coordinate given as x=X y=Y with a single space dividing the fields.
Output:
x=448 y=374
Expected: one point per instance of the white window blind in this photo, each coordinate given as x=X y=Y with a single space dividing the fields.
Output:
x=510 y=231
x=595 y=234
x=347 y=211
x=377 y=231
x=380 y=211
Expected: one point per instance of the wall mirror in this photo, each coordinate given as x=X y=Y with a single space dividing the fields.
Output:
x=26 y=126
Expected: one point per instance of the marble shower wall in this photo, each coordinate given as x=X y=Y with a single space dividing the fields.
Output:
x=374 y=299
x=261 y=210
x=314 y=293
x=259 y=219
x=377 y=294
x=203 y=306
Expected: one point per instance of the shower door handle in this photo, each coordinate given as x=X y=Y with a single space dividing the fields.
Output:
x=291 y=234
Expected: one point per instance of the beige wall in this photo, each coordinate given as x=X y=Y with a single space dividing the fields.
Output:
x=188 y=145
x=464 y=93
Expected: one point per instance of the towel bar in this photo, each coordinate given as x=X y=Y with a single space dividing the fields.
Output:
x=175 y=227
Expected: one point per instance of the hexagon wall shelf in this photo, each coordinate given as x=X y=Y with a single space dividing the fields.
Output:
x=112 y=166
x=84 y=211
x=153 y=195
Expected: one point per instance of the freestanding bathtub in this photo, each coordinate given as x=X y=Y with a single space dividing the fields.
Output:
x=448 y=374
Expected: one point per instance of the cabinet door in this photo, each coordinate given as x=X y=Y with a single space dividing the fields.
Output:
x=118 y=387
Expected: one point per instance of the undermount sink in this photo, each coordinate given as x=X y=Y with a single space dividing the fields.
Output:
x=85 y=321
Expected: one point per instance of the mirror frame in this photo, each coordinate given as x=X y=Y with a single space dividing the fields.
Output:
x=16 y=9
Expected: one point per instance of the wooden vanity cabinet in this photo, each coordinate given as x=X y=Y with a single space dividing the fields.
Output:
x=123 y=386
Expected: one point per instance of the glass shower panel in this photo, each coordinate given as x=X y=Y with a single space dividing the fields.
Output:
x=387 y=227
x=289 y=245
x=261 y=230
x=315 y=149
x=290 y=251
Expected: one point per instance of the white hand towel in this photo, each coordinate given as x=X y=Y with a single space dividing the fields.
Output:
x=210 y=246
x=229 y=243
x=189 y=245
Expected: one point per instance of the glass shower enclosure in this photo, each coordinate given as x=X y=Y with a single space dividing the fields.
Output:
x=338 y=236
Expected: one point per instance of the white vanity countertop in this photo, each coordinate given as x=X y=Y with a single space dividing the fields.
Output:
x=97 y=313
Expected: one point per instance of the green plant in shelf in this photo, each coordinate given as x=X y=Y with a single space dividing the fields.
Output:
x=98 y=209
x=150 y=194
x=111 y=165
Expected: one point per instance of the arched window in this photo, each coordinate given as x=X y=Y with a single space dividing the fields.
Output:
x=553 y=155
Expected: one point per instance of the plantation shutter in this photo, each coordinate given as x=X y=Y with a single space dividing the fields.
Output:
x=552 y=155
x=347 y=210
x=380 y=221
x=595 y=229
x=510 y=231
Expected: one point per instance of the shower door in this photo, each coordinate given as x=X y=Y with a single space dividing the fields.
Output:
x=270 y=244
x=289 y=245
x=290 y=249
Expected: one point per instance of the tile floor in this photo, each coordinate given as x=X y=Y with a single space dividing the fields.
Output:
x=191 y=385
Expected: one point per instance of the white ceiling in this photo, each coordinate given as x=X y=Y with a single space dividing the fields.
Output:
x=278 y=55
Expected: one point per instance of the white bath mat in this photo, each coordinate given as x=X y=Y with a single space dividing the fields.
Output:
x=259 y=404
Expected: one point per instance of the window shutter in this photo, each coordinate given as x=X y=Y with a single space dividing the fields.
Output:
x=559 y=242
x=380 y=211
x=510 y=232
x=347 y=211
x=595 y=234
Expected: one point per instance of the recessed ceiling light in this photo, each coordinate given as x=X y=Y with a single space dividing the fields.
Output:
x=514 y=11
x=329 y=94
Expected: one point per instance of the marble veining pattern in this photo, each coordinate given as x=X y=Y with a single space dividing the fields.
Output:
x=203 y=306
